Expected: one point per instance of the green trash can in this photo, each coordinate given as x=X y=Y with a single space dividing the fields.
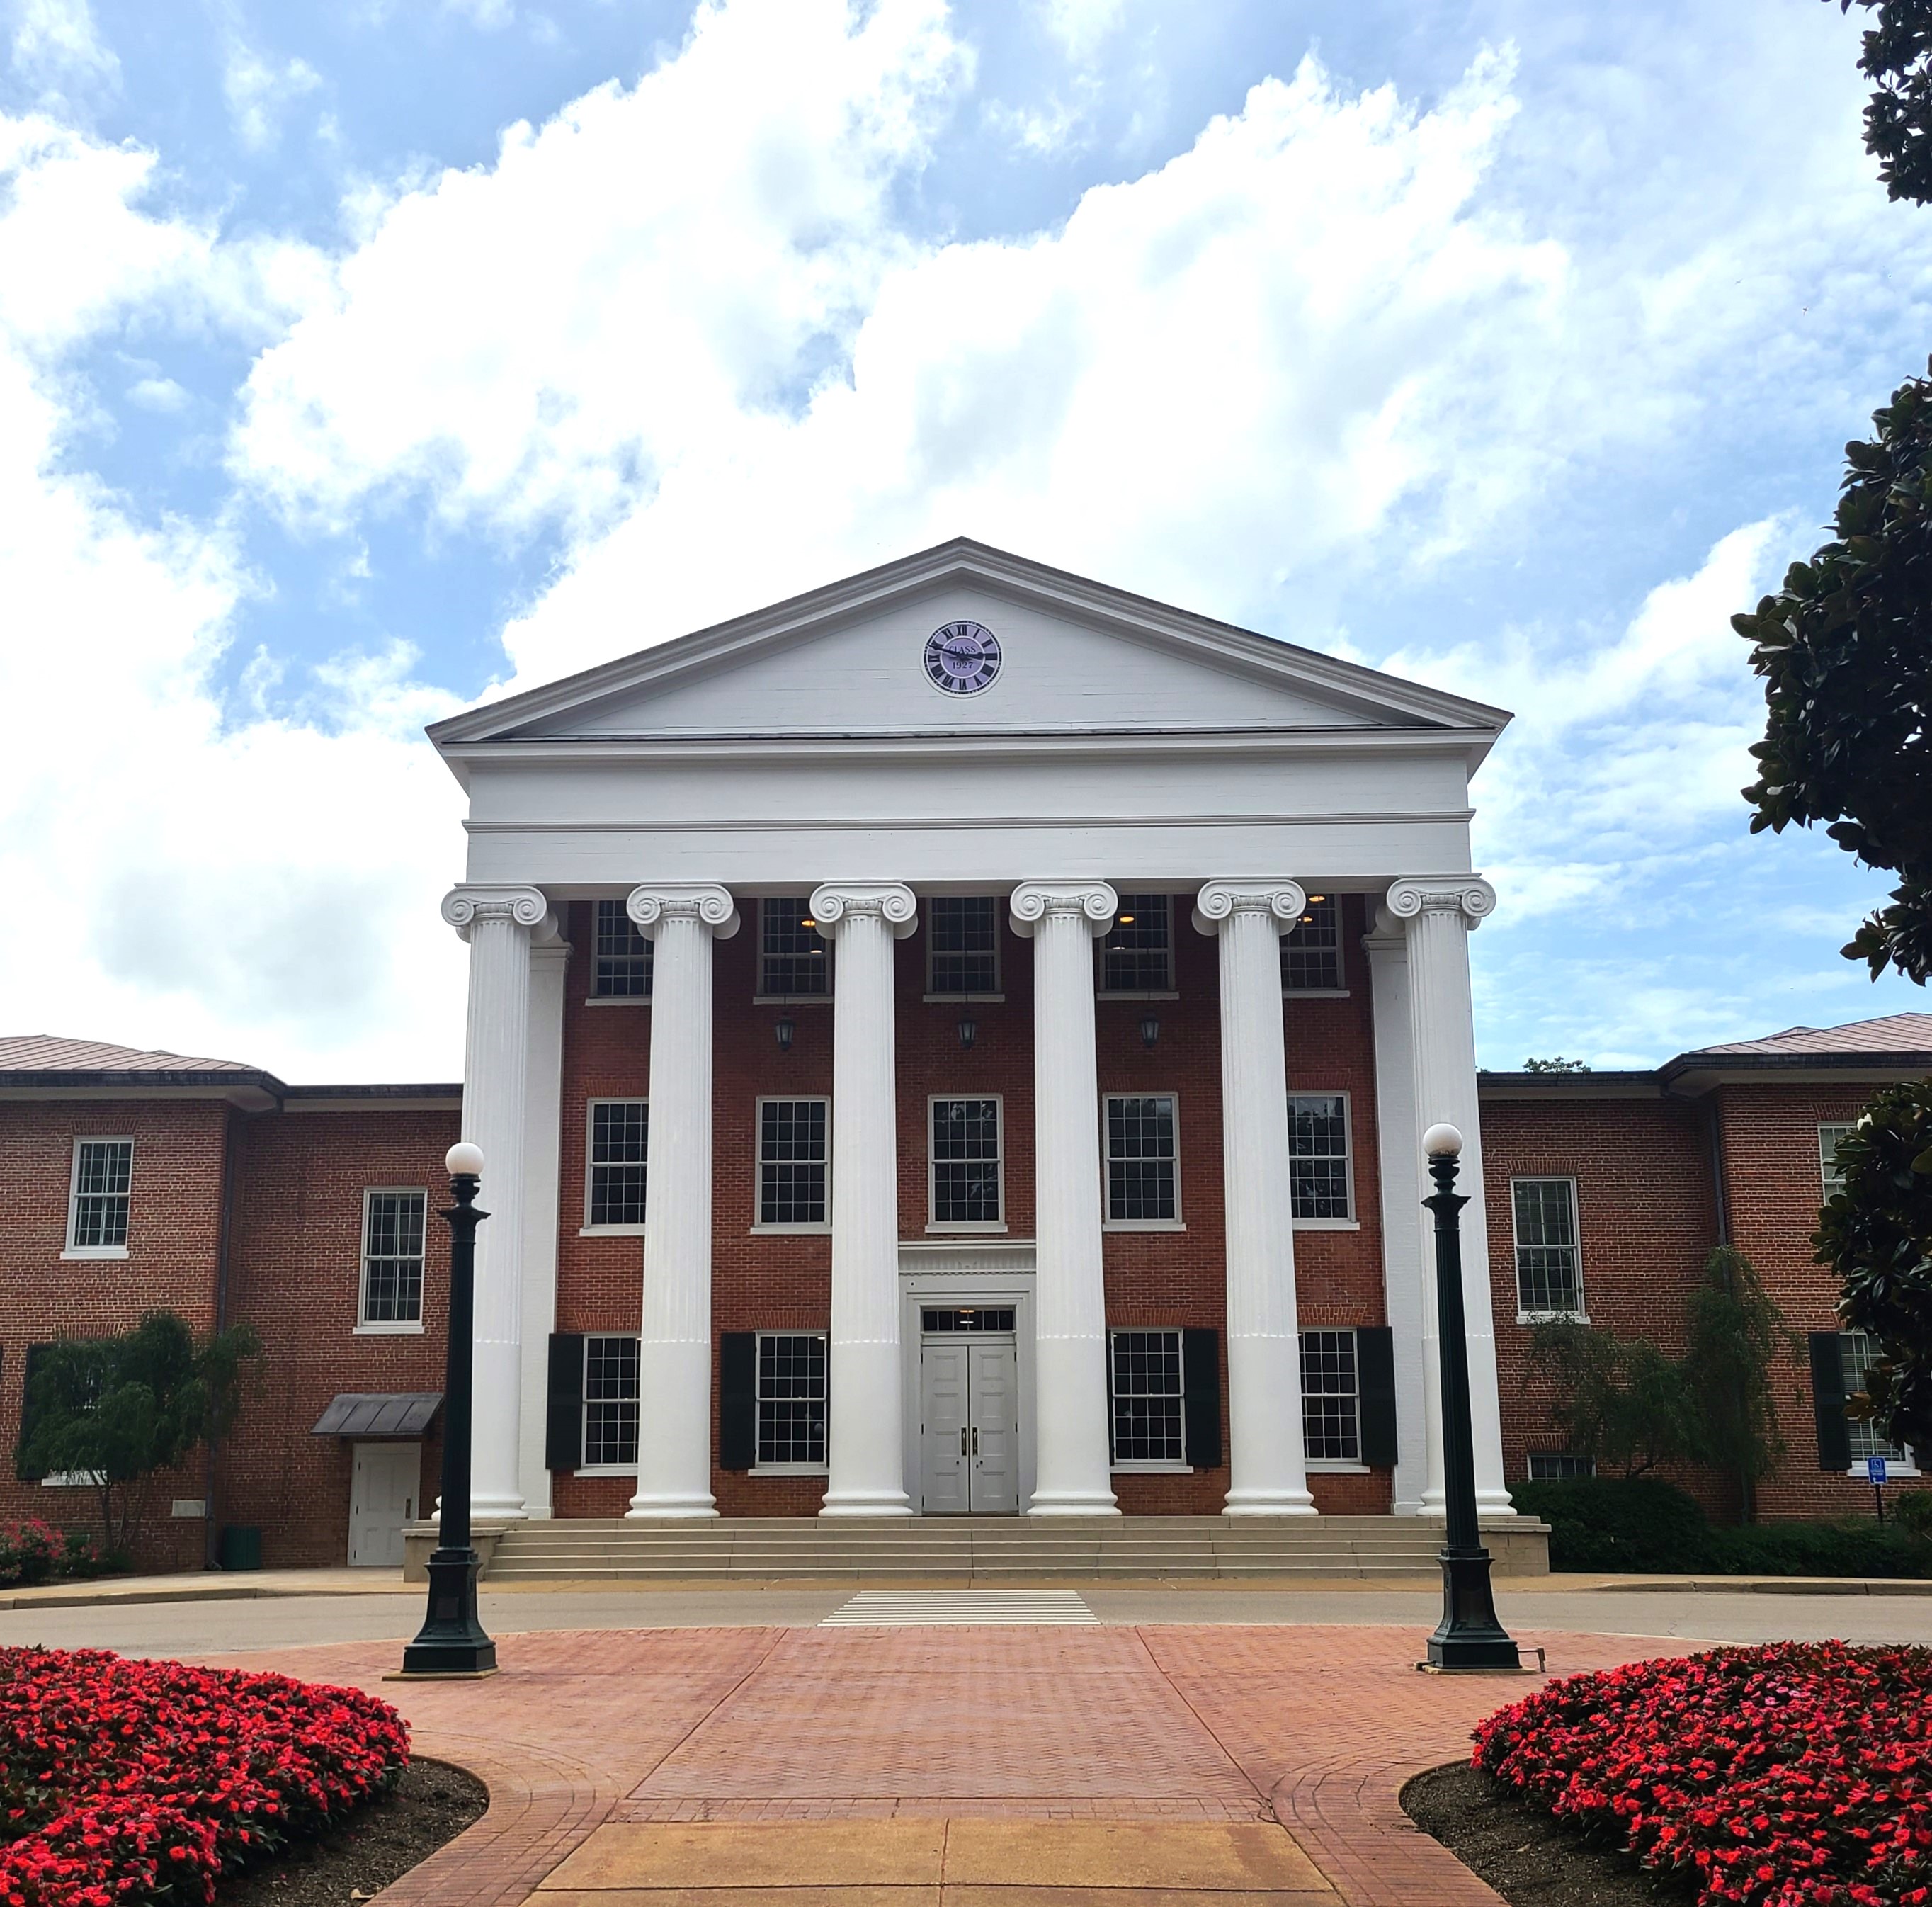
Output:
x=241 y=1547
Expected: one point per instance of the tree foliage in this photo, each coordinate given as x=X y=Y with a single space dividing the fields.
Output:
x=1736 y=1331
x=1845 y=649
x=122 y=1410
x=1896 y=58
x=1876 y=1233
x=1620 y=1399
x=1558 y=1065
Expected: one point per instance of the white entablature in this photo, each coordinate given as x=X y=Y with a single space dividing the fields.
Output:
x=1118 y=732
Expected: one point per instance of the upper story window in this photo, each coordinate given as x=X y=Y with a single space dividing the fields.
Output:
x=392 y=1258
x=1143 y=1167
x=97 y=1198
x=966 y=1181
x=1832 y=1179
x=1321 y=1184
x=1311 y=949
x=793 y=958
x=622 y=968
x=619 y=1154
x=962 y=944
x=1549 y=1259
x=1137 y=955
x=792 y=1161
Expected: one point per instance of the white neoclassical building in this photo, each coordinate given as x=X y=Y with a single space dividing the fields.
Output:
x=1109 y=1201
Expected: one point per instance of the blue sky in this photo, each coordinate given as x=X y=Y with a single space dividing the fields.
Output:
x=356 y=360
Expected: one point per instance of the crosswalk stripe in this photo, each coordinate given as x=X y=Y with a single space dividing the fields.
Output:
x=904 y=1608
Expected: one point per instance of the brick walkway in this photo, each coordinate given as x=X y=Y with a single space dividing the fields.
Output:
x=1316 y=1728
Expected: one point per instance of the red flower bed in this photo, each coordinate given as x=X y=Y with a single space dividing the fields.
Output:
x=122 y=1782
x=1798 y=1775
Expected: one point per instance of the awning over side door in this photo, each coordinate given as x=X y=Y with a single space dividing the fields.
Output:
x=372 y=1414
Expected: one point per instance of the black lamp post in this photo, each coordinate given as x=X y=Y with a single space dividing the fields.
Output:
x=451 y=1641
x=1469 y=1636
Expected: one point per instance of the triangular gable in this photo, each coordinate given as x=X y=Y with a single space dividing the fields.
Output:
x=1076 y=656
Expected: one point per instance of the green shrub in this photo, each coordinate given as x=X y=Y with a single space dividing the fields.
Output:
x=1820 y=1549
x=1913 y=1510
x=1637 y=1524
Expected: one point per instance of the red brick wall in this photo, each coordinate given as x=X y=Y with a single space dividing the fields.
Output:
x=295 y=1268
x=173 y=1240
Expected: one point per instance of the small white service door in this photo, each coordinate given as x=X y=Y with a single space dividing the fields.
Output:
x=944 y=1377
x=382 y=1496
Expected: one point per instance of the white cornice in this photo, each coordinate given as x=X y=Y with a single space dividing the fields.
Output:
x=969 y=824
x=1134 y=618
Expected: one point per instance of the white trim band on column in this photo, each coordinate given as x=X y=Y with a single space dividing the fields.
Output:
x=1073 y=1467
x=864 y=1457
x=499 y=924
x=1437 y=913
x=681 y=919
x=1266 y=1457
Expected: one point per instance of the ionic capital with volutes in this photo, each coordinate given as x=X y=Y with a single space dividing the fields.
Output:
x=465 y=907
x=1278 y=902
x=1468 y=897
x=711 y=907
x=1093 y=903
x=837 y=902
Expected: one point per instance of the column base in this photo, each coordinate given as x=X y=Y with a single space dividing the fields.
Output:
x=1494 y=1504
x=683 y=1509
x=1074 y=1505
x=1283 y=1503
x=866 y=1503
x=493 y=1509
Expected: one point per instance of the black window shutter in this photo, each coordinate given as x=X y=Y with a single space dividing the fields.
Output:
x=1201 y=1380
x=1828 y=1400
x=737 y=1400
x=563 y=1416
x=1375 y=1380
x=20 y=1469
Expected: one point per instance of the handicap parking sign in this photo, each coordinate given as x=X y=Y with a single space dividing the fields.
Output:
x=1875 y=1469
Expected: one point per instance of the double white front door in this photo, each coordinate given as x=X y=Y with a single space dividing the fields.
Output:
x=969 y=1441
x=384 y=1491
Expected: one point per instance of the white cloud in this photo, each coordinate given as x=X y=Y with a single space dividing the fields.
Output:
x=259 y=91
x=159 y=394
x=1082 y=26
x=203 y=879
x=56 y=45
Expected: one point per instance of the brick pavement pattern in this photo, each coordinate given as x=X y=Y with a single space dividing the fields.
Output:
x=1315 y=1729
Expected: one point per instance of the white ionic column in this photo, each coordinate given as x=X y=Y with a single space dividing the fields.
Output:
x=1073 y=1466
x=499 y=924
x=543 y=1131
x=1268 y=1468
x=1440 y=910
x=865 y=1454
x=674 y=1353
x=1409 y=1298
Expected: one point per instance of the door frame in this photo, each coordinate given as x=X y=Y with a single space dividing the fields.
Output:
x=964 y=1272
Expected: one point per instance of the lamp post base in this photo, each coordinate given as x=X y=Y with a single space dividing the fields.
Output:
x=1469 y=1635
x=451 y=1641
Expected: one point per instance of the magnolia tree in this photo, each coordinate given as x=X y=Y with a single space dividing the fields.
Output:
x=1876 y=1233
x=120 y=1411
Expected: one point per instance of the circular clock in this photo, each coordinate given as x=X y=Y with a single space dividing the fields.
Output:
x=962 y=658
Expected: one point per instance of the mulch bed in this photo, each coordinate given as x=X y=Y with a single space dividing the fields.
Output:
x=1530 y=1858
x=380 y=1842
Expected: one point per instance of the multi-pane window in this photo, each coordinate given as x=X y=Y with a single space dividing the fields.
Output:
x=792 y=1161
x=793 y=958
x=791 y=1398
x=963 y=935
x=1559 y=1467
x=967 y=1317
x=1857 y=1353
x=1146 y=1382
x=610 y=1401
x=392 y=1256
x=619 y=1152
x=103 y=1169
x=1320 y=1184
x=1831 y=1177
x=965 y=1164
x=1137 y=955
x=622 y=968
x=1548 y=1262
x=1311 y=949
x=1142 y=1177
x=1331 y=1411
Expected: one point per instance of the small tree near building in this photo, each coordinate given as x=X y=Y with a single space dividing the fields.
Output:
x=119 y=1411
x=1875 y=1232
x=1735 y=1332
x=1620 y=1401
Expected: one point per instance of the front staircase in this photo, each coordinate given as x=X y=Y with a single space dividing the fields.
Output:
x=990 y=1549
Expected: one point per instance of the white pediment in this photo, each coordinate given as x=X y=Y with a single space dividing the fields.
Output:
x=1075 y=657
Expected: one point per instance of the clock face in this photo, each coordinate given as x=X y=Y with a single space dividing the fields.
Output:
x=962 y=658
